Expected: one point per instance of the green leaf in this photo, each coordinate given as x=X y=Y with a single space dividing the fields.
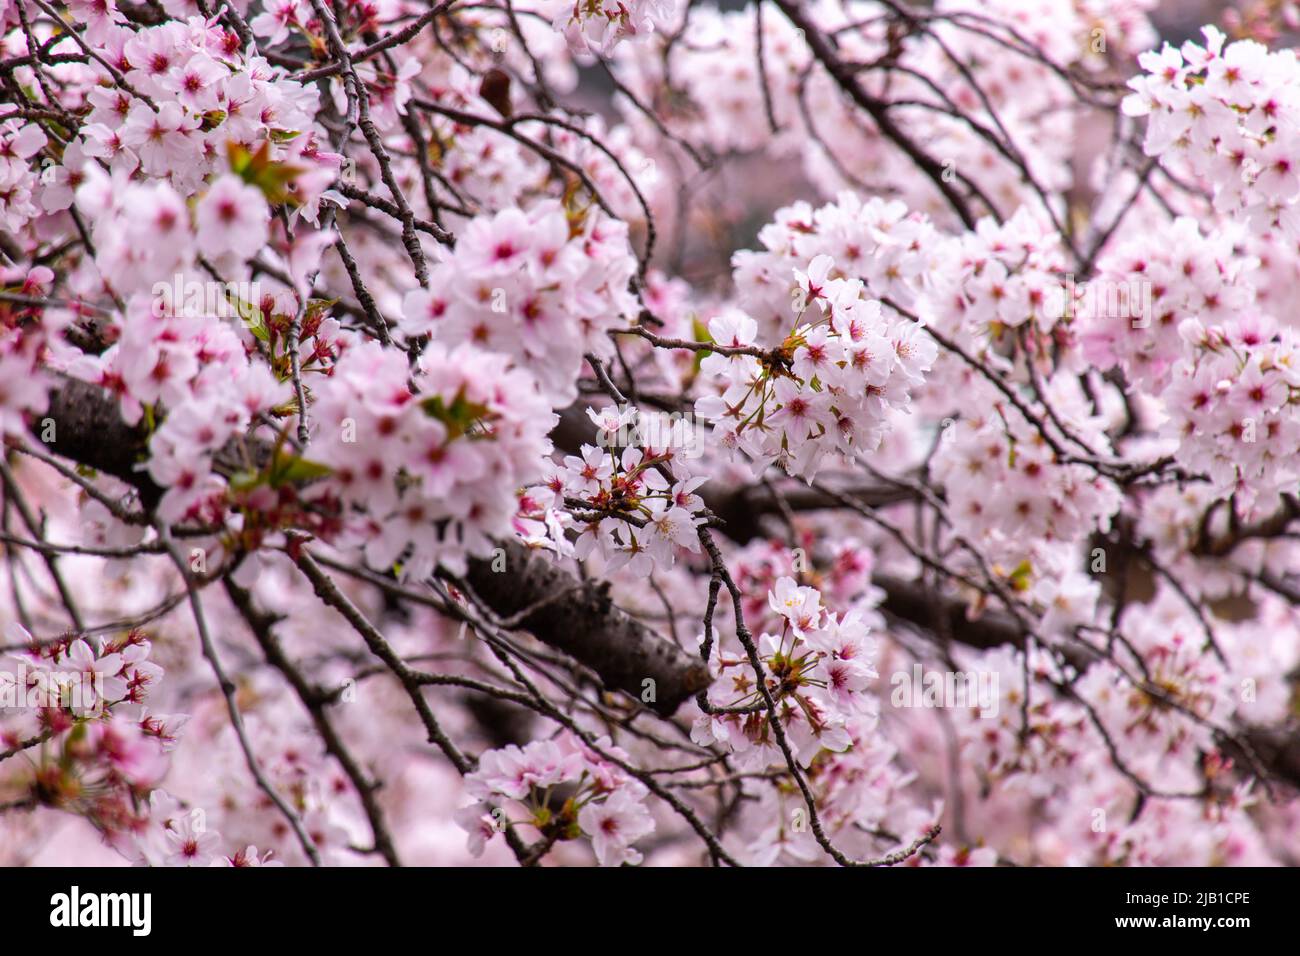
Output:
x=245 y=481
x=257 y=168
x=459 y=417
x=304 y=469
x=212 y=119
x=256 y=322
x=699 y=330
x=1021 y=576
x=700 y=333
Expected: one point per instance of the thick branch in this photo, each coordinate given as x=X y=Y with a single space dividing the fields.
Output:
x=576 y=618
x=88 y=429
x=579 y=619
x=912 y=602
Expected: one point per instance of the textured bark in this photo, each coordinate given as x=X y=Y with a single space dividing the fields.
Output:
x=576 y=618
x=579 y=618
x=914 y=603
x=88 y=429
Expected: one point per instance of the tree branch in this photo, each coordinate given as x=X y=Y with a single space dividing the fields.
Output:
x=584 y=624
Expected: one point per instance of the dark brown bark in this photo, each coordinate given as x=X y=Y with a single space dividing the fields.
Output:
x=574 y=617
x=914 y=603
x=579 y=618
x=88 y=429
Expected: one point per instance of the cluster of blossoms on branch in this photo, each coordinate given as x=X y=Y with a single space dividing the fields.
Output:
x=815 y=668
x=1228 y=114
x=1234 y=401
x=543 y=287
x=103 y=752
x=565 y=789
x=831 y=361
x=427 y=474
x=1176 y=274
x=632 y=494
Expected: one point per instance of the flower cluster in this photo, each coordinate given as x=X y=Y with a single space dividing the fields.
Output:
x=24 y=334
x=997 y=741
x=847 y=372
x=71 y=678
x=306 y=777
x=632 y=493
x=1169 y=701
x=843 y=576
x=432 y=472
x=174 y=359
x=19 y=181
x=847 y=363
x=1144 y=289
x=1232 y=407
x=105 y=750
x=542 y=287
x=1003 y=277
x=891 y=251
x=171 y=834
x=1229 y=113
x=816 y=669
x=192 y=92
x=565 y=788
x=595 y=27
x=1041 y=500
x=1158 y=705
